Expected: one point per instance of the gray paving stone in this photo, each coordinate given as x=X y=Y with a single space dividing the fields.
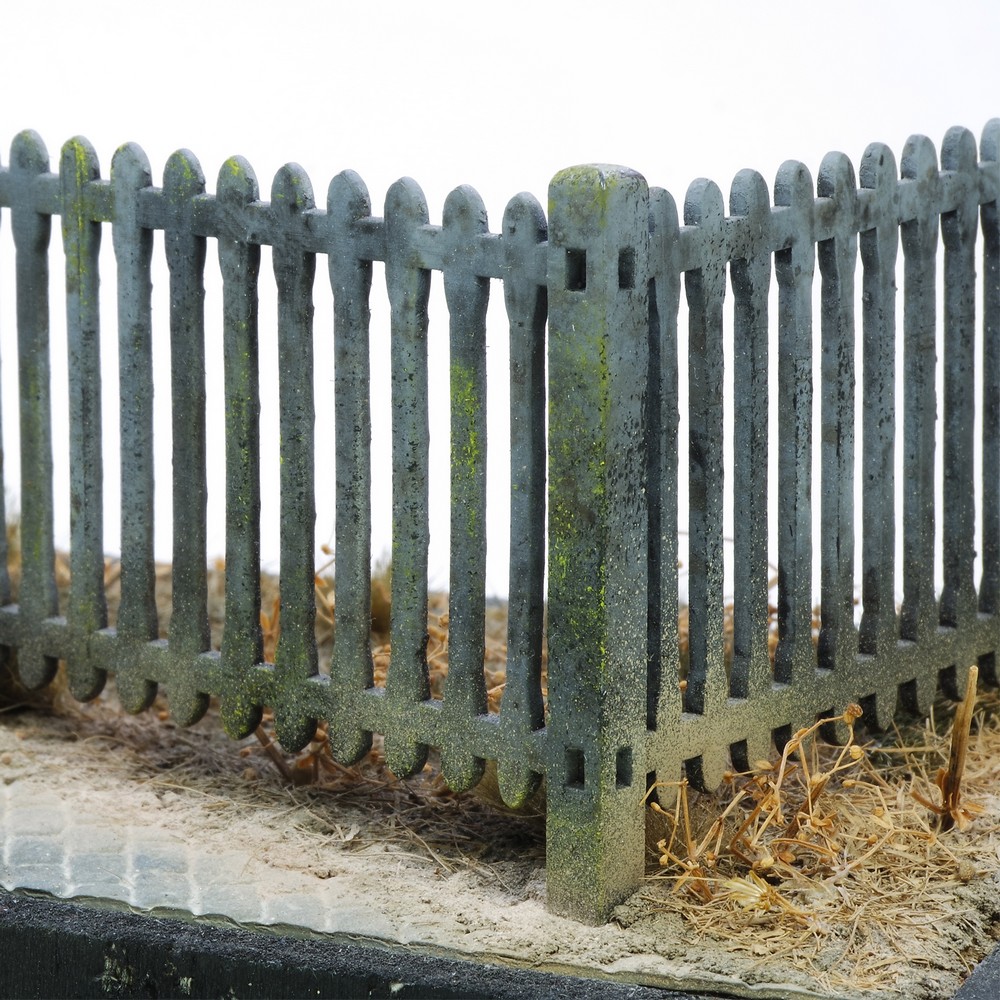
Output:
x=171 y=890
x=95 y=866
x=86 y=838
x=294 y=910
x=27 y=850
x=42 y=877
x=109 y=887
x=236 y=904
x=155 y=861
x=37 y=819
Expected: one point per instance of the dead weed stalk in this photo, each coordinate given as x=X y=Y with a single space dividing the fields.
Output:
x=839 y=846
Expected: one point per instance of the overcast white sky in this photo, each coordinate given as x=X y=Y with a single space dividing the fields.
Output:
x=499 y=96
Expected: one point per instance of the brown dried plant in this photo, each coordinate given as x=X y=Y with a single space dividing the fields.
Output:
x=949 y=779
x=838 y=860
x=772 y=830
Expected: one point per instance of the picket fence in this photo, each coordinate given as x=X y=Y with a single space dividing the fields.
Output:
x=592 y=292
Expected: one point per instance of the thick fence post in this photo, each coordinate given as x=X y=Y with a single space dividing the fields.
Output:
x=598 y=370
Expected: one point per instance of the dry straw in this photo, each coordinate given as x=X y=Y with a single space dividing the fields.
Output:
x=849 y=862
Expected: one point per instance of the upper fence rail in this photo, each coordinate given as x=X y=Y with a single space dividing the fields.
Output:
x=593 y=295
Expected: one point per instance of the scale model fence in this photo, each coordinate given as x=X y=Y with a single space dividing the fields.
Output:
x=592 y=294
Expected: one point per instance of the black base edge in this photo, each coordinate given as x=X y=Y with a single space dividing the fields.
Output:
x=56 y=948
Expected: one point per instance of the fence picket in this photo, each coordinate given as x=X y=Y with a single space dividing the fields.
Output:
x=296 y=657
x=351 y=278
x=919 y=239
x=751 y=279
x=37 y=593
x=794 y=266
x=989 y=590
x=87 y=610
x=958 y=231
x=408 y=286
x=183 y=182
x=838 y=258
x=663 y=696
x=467 y=295
x=879 y=245
x=242 y=640
x=137 y=618
x=522 y=710
x=705 y=286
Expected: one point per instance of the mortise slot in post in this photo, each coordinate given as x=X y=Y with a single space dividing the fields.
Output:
x=576 y=270
x=623 y=767
x=574 y=768
x=626 y=268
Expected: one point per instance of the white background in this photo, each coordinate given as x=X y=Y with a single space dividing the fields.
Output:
x=500 y=96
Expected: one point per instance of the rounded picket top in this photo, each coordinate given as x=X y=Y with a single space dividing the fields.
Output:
x=78 y=163
x=958 y=151
x=404 y=756
x=524 y=220
x=524 y=228
x=919 y=161
x=836 y=180
x=793 y=187
x=348 y=745
x=878 y=168
x=405 y=212
x=958 y=154
x=130 y=166
x=465 y=211
x=291 y=190
x=348 y=199
x=756 y=747
x=237 y=187
x=884 y=702
x=920 y=165
x=707 y=771
x=28 y=153
x=662 y=211
x=704 y=205
x=28 y=159
x=749 y=197
x=237 y=183
x=405 y=205
x=34 y=669
x=516 y=782
x=85 y=682
x=183 y=177
x=294 y=730
x=130 y=173
x=989 y=144
x=918 y=694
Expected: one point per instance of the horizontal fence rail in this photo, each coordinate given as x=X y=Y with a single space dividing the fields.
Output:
x=592 y=290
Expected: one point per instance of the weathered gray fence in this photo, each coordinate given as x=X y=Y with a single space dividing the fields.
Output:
x=592 y=295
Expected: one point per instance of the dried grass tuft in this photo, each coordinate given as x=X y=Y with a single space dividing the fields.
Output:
x=838 y=859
